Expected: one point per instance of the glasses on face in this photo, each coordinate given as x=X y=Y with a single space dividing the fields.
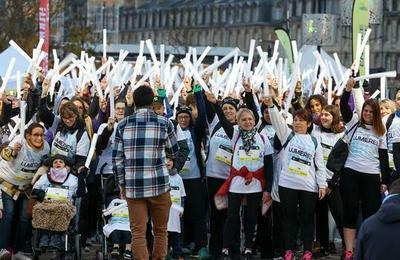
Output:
x=120 y=108
x=184 y=117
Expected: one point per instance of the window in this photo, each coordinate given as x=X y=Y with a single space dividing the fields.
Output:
x=200 y=16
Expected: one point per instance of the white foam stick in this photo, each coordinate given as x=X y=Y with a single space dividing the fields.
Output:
x=194 y=56
x=108 y=212
x=260 y=51
x=330 y=91
x=150 y=47
x=202 y=56
x=295 y=51
x=265 y=80
x=293 y=82
x=383 y=87
x=141 y=48
x=215 y=65
x=175 y=98
x=197 y=76
x=171 y=80
x=7 y=75
x=275 y=53
x=126 y=75
x=104 y=43
x=333 y=72
x=18 y=85
x=66 y=61
x=280 y=75
x=112 y=100
x=320 y=81
x=120 y=61
x=137 y=69
x=366 y=59
x=91 y=150
x=339 y=67
x=20 y=50
x=321 y=63
x=15 y=129
x=376 y=93
x=387 y=74
x=82 y=56
x=56 y=60
x=360 y=48
x=162 y=64
x=91 y=77
x=22 y=116
x=169 y=60
x=103 y=67
x=251 y=54
x=148 y=74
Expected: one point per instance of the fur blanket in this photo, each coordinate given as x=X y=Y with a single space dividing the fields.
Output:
x=53 y=215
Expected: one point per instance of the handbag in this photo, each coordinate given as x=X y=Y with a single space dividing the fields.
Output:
x=338 y=156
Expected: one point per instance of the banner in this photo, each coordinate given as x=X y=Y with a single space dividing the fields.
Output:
x=375 y=11
x=44 y=30
x=319 y=29
x=360 y=25
x=284 y=40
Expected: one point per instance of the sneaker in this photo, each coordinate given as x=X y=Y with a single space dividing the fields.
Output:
x=248 y=253
x=225 y=253
x=204 y=254
x=115 y=253
x=307 y=255
x=128 y=255
x=348 y=255
x=289 y=255
x=5 y=254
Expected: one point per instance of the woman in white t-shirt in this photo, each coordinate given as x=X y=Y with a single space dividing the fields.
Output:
x=365 y=172
x=302 y=177
x=251 y=175
x=19 y=163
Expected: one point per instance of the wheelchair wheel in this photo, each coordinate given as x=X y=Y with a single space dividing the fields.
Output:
x=99 y=255
x=77 y=245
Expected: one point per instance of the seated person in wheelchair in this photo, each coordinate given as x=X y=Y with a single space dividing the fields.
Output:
x=56 y=190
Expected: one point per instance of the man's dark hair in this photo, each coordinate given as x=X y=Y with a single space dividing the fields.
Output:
x=395 y=187
x=143 y=96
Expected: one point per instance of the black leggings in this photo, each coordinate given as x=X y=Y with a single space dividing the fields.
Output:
x=333 y=201
x=231 y=226
x=194 y=219
x=306 y=200
x=355 y=187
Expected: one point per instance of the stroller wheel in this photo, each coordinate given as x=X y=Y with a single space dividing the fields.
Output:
x=99 y=255
x=78 y=251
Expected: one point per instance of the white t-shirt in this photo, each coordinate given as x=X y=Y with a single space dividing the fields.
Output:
x=21 y=170
x=177 y=193
x=364 y=148
x=328 y=141
x=220 y=154
x=253 y=160
x=190 y=169
x=105 y=163
x=119 y=219
x=393 y=136
x=65 y=191
x=67 y=145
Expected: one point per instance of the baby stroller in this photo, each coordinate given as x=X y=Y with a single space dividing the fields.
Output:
x=110 y=193
x=54 y=221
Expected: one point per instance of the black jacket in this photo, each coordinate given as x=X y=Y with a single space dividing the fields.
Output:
x=379 y=235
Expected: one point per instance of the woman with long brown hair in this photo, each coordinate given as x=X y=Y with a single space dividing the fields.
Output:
x=330 y=131
x=366 y=169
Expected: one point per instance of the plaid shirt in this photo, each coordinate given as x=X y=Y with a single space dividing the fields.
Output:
x=142 y=142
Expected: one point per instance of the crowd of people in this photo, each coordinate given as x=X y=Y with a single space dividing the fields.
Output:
x=201 y=176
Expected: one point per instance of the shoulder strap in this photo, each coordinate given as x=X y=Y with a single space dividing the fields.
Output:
x=389 y=121
x=79 y=134
x=216 y=128
x=290 y=137
x=262 y=126
x=347 y=132
x=315 y=141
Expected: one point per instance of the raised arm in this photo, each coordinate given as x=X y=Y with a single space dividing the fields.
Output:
x=277 y=121
x=226 y=125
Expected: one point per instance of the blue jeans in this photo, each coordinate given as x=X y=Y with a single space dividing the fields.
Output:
x=15 y=220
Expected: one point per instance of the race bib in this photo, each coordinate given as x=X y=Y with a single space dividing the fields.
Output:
x=24 y=176
x=57 y=193
x=299 y=166
x=121 y=213
x=185 y=168
x=391 y=160
x=326 y=150
x=252 y=155
x=224 y=154
x=175 y=195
